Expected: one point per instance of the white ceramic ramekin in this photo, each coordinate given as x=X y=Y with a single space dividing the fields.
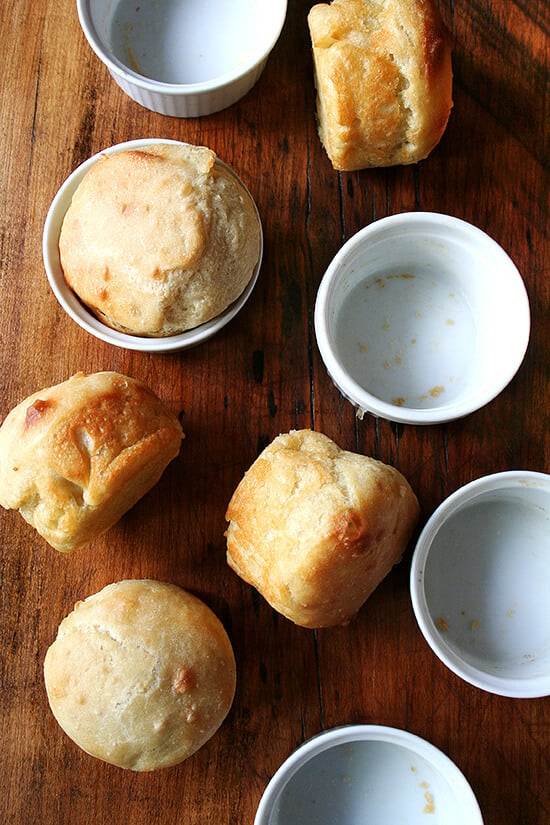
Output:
x=183 y=58
x=480 y=580
x=86 y=319
x=368 y=773
x=421 y=318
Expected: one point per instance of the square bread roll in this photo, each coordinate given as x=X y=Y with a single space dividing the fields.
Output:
x=76 y=456
x=384 y=80
x=315 y=528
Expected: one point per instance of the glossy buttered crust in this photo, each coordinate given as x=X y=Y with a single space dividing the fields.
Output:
x=76 y=456
x=315 y=528
x=141 y=674
x=159 y=240
x=384 y=80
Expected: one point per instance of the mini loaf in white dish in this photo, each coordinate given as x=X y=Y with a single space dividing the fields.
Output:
x=159 y=239
x=141 y=674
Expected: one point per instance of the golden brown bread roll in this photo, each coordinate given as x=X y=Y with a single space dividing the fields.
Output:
x=159 y=240
x=76 y=456
x=141 y=674
x=315 y=528
x=384 y=80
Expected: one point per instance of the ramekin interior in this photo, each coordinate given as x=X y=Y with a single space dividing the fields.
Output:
x=176 y=46
x=421 y=318
x=480 y=578
x=367 y=773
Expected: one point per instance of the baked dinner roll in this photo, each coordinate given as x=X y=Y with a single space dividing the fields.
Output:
x=75 y=457
x=384 y=80
x=315 y=528
x=159 y=240
x=141 y=674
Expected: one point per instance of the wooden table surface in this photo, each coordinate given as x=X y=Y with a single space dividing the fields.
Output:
x=260 y=376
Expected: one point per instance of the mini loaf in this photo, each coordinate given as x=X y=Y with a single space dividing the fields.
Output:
x=141 y=674
x=315 y=528
x=159 y=240
x=384 y=80
x=76 y=456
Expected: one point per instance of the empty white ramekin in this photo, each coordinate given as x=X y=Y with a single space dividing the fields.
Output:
x=82 y=315
x=368 y=773
x=480 y=580
x=181 y=58
x=421 y=318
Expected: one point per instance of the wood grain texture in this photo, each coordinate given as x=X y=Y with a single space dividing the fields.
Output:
x=260 y=376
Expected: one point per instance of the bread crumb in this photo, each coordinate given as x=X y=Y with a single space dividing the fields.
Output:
x=429 y=807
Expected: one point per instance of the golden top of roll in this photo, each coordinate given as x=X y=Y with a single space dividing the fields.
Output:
x=315 y=528
x=159 y=240
x=141 y=674
x=384 y=80
x=76 y=456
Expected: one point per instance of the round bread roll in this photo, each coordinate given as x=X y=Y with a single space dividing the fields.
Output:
x=76 y=456
x=141 y=674
x=315 y=528
x=384 y=80
x=159 y=240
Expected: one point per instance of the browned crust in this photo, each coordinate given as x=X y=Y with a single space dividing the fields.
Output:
x=76 y=456
x=384 y=80
x=315 y=528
